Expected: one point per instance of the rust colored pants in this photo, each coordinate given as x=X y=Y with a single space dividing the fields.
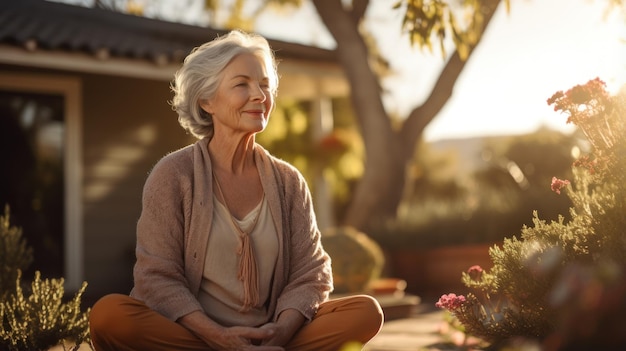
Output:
x=119 y=322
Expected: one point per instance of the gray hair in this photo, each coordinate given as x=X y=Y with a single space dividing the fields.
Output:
x=201 y=72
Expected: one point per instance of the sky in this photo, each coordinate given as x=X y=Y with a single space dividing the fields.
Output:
x=527 y=54
x=538 y=48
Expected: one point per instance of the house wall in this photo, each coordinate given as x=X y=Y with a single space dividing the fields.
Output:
x=128 y=127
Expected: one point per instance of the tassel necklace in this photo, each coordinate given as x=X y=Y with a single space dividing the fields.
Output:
x=248 y=271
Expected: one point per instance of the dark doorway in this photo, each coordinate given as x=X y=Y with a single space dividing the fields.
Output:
x=32 y=131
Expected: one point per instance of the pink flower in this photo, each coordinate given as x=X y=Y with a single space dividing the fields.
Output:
x=475 y=269
x=450 y=301
x=590 y=95
x=558 y=184
x=475 y=272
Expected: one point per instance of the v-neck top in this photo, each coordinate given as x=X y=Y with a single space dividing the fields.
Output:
x=221 y=292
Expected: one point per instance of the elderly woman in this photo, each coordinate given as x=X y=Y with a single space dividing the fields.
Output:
x=228 y=251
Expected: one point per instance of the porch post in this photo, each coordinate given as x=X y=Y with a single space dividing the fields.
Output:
x=322 y=124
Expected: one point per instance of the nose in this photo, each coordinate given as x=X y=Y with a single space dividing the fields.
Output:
x=258 y=94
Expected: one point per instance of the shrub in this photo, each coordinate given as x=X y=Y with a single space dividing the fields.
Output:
x=40 y=318
x=563 y=283
x=15 y=254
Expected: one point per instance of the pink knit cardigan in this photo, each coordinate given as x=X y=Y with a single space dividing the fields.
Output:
x=173 y=231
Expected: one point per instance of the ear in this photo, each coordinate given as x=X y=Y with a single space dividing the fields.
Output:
x=205 y=104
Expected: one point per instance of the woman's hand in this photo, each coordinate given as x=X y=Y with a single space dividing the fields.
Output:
x=243 y=339
x=288 y=323
x=222 y=338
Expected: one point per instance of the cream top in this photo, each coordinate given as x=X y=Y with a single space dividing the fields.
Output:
x=221 y=293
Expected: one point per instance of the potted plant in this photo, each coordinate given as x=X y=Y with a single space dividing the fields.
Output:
x=357 y=260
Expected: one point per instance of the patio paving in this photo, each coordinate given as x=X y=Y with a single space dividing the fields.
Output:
x=418 y=332
x=414 y=324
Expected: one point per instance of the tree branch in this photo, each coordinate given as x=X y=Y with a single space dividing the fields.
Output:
x=421 y=116
x=359 y=7
x=353 y=56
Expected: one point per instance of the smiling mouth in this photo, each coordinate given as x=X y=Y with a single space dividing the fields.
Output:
x=257 y=109
x=256 y=112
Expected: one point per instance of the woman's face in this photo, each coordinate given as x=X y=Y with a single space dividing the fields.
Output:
x=243 y=100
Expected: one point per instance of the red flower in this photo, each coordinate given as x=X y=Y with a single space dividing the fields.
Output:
x=558 y=184
x=331 y=142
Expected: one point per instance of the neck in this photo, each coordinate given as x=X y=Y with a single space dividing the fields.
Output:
x=232 y=157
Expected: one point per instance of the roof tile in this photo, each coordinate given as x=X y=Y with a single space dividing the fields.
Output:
x=55 y=26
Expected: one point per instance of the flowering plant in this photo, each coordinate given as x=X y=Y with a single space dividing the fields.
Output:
x=39 y=316
x=563 y=284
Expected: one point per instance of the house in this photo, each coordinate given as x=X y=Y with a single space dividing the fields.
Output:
x=84 y=115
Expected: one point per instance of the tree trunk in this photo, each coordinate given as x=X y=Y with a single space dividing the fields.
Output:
x=387 y=152
x=381 y=145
